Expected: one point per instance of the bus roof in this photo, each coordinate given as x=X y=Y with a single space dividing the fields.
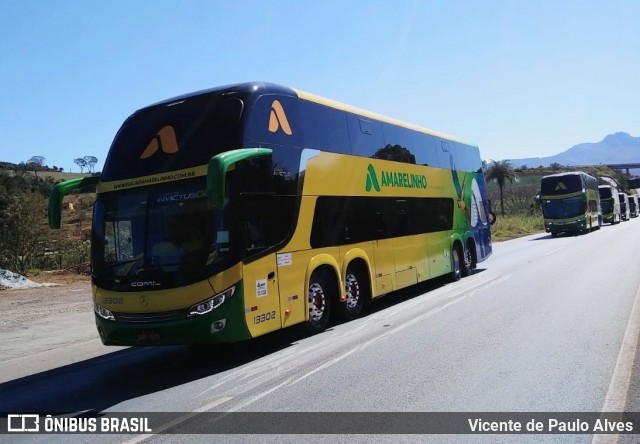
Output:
x=375 y=116
x=260 y=88
x=569 y=173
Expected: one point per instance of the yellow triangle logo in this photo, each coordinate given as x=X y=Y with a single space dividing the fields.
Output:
x=165 y=140
x=560 y=186
x=278 y=119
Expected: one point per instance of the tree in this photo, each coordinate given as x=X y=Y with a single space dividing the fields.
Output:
x=555 y=166
x=500 y=171
x=81 y=163
x=23 y=230
x=90 y=162
x=36 y=162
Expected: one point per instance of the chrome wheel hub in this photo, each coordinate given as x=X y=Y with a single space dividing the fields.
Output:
x=353 y=292
x=317 y=302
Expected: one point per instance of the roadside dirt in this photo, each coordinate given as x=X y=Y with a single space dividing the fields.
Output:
x=21 y=307
x=33 y=320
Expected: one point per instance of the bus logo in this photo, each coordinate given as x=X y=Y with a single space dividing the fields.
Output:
x=372 y=179
x=278 y=119
x=393 y=179
x=164 y=140
x=560 y=186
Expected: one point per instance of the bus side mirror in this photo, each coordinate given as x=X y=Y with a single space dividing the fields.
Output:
x=54 y=212
x=217 y=171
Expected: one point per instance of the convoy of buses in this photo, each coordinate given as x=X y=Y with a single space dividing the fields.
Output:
x=226 y=214
x=573 y=202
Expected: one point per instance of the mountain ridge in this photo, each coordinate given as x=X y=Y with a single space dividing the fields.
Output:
x=616 y=148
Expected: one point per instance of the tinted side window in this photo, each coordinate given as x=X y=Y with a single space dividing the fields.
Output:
x=348 y=220
x=400 y=144
x=265 y=203
x=366 y=135
x=325 y=128
x=275 y=120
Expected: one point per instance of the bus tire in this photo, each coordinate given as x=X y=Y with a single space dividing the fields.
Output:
x=456 y=264
x=469 y=262
x=319 y=299
x=357 y=290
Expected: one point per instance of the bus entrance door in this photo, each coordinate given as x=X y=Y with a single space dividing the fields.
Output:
x=261 y=301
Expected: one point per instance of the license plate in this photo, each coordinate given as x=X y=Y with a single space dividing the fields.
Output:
x=148 y=335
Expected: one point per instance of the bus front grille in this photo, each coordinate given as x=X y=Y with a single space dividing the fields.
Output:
x=149 y=317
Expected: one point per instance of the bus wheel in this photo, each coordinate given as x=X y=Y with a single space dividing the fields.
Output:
x=456 y=264
x=319 y=302
x=357 y=291
x=469 y=263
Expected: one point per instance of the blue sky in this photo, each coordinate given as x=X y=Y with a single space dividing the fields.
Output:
x=518 y=78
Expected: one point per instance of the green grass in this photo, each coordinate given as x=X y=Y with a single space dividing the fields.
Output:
x=510 y=227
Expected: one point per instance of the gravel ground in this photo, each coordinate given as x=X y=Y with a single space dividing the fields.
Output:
x=30 y=318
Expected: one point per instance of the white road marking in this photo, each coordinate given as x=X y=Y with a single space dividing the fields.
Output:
x=326 y=364
x=260 y=396
x=178 y=420
x=616 y=398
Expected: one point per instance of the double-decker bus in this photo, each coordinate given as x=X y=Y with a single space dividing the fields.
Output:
x=610 y=204
x=624 y=205
x=570 y=202
x=226 y=214
x=633 y=205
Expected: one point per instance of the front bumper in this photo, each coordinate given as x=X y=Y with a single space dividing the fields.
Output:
x=203 y=329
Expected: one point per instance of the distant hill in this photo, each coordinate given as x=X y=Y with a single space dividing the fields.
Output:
x=615 y=148
x=42 y=171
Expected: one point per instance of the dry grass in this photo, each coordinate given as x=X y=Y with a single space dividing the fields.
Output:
x=510 y=227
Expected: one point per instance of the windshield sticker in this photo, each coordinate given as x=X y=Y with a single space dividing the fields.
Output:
x=261 y=288
x=284 y=259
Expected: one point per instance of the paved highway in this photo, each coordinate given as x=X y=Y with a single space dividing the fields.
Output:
x=543 y=325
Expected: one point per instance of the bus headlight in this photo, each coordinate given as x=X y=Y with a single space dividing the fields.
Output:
x=211 y=304
x=103 y=312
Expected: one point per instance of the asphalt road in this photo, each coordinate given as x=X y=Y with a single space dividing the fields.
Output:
x=542 y=326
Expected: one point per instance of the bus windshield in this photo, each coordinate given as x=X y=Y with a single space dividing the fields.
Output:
x=563 y=208
x=557 y=185
x=164 y=234
x=605 y=193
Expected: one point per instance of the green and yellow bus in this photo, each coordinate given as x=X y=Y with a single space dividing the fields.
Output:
x=624 y=205
x=570 y=202
x=226 y=214
x=633 y=205
x=610 y=204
